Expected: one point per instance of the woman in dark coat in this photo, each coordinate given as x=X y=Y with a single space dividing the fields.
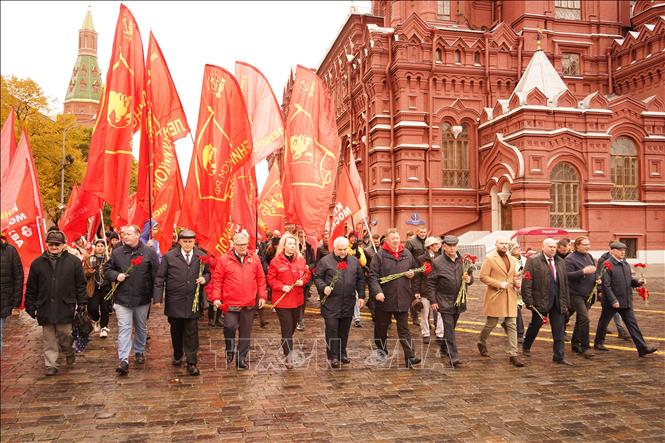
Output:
x=340 y=297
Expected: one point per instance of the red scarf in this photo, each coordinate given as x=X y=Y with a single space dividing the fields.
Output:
x=395 y=254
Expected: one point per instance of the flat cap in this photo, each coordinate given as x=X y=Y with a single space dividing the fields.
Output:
x=429 y=241
x=56 y=237
x=186 y=234
x=450 y=240
x=618 y=245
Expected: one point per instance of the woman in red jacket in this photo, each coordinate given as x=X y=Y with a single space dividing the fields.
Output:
x=287 y=275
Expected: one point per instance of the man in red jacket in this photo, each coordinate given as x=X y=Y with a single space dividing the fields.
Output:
x=239 y=277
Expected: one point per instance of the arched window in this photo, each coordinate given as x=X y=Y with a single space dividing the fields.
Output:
x=565 y=209
x=455 y=155
x=623 y=169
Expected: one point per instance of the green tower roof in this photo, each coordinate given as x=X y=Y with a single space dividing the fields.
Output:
x=86 y=81
x=88 y=25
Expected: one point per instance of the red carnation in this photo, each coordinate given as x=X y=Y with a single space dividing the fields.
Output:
x=527 y=276
x=137 y=261
x=608 y=265
x=428 y=268
x=640 y=265
x=473 y=259
x=342 y=265
x=546 y=320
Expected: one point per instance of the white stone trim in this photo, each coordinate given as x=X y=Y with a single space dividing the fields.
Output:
x=411 y=124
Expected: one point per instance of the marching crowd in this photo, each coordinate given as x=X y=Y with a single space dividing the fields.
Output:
x=424 y=277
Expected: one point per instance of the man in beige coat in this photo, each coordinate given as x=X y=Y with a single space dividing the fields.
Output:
x=498 y=273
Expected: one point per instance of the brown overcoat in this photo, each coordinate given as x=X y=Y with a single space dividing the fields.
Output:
x=492 y=273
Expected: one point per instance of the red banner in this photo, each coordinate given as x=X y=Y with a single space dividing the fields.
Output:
x=164 y=122
x=357 y=184
x=263 y=111
x=310 y=161
x=243 y=203
x=7 y=144
x=271 y=203
x=80 y=208
x=222 y=147
x=21 y=205
x=346 y=204
x=118 y=117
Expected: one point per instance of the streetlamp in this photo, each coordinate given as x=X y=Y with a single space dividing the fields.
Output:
x=66 y=161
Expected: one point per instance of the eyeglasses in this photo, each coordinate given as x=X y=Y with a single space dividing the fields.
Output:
x=53 y=245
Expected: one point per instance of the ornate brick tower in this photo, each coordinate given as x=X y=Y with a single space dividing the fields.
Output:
x=85 y=86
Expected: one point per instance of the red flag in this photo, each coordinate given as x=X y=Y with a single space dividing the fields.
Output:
x=80 y=207
x=243 y=203
x=311 y=158
x=346 y=204
x=118 y=117
x=263 y=111
x=21 y=205
x=7 y=144
x=165 y=122
x=271 y=203
x=357 y=184
x=223 y=145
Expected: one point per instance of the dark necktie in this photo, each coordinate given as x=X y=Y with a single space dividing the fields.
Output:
x=552 y=268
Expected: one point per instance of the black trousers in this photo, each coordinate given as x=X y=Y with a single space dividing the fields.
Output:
x=185 y=338
x=288 y=320
x=628 y=316
x=337 y=337
x=449 y=342
x=558 y=326
x=382 y=320
x=234 y=321
x=581 y=330
x=98 y=308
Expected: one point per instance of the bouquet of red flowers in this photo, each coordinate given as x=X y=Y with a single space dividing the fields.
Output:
x=607 y=266
x=468 y=261
x=205 y=260
x=426 y=269
x=341 y=266
x=642 y=291
x=132 y=264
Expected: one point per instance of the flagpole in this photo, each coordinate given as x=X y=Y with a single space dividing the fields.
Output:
x=370 y=233
x=39 y=232
x=150 y=167
x=106 y=246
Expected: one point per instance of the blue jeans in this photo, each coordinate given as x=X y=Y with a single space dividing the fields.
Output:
x=137 y=316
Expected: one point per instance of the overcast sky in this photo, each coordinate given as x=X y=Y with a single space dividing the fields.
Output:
x=40 y=40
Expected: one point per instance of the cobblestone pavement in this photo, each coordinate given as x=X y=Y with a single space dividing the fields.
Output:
x=615 y=396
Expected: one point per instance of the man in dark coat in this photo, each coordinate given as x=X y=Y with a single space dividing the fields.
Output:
x=393 y=298
x=11 y=280
x=340 y=297
x=416 y=246
x=618 y=285
x=55 y=288
x=545 y=290
x=581 y=268
x=444 y=283
x=180 y=273
x=133 y=266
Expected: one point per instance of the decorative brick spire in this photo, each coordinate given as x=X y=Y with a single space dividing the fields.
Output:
x=85 y=86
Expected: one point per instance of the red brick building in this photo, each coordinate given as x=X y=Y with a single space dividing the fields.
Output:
x=488 y=115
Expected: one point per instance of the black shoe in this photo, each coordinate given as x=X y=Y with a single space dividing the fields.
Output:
x=229 y=357
x=51 y=371
x=219 y=323
x=242 y=365
x=139 y=358
x=520 y=339
x=563 y=362
x=516 y=361
x=600 y=348
x=588 y=354
x=192 y=370
x=71 y=359
x=526 y=352
x=457 y=363
x=577 y=349
x=176 y=361
x=345 y=360
x=123 y=368
x=334 y=363
x=648 y=350
x=301 y=325
x=412 y=361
